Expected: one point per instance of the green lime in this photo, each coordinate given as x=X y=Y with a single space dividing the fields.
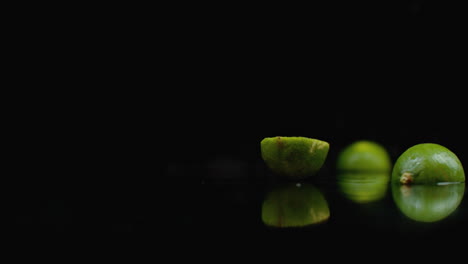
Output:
x=427 y=163
x=294 y=205
x=364 y=155
x=294 y=157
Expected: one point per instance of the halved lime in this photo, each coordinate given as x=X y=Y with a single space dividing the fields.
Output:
x=294 y=157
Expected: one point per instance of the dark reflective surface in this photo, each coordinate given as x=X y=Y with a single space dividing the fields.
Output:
x=363 y=187
x=349 y=202
x=346 y=210
x=294 y=205
x=428 y=203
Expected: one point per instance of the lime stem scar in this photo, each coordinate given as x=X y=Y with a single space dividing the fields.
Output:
x=406 y=178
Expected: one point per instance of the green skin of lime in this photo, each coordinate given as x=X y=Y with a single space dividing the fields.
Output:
x=364 y=155
x=428 y=203
x=363 y=187
x=427 y=163
x=294 y=157
x=294 y=205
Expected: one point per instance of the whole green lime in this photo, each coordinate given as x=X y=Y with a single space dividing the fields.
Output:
x=294 y=157
x=427 y=163
x=364 y=155
x=294 y=205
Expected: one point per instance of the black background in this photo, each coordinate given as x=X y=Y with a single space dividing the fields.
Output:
x=141 y=109
x=384 y=72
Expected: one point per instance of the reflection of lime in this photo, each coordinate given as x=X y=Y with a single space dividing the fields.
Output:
x=294 y=157
x=294 y=205
x=428 y=203
x=363 y=155
x=427 y=163
x=363 y=187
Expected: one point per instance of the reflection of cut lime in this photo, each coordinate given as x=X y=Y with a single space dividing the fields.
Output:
x=427 y=163
x=294 y=157
x=428 y=203
x=363 y=187
x=363 y=155
x=294 y=205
